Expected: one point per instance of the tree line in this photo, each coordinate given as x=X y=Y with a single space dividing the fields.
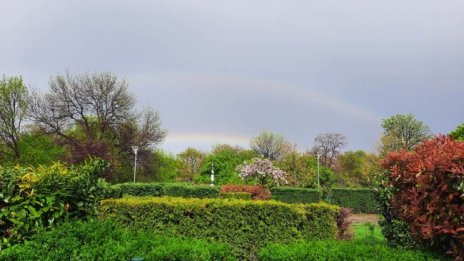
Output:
x=94 y=114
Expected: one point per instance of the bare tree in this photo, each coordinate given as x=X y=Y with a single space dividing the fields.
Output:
x=329 y=146
x=98 y=105
x=269 y=145
x=13 y=111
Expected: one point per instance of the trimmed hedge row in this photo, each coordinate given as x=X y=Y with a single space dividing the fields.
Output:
x=361 y=200
x=245 y=225
x=296 y=195
x=165 y=189
x=340 y=250
x=96 y=240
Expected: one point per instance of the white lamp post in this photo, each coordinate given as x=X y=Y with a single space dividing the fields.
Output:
x=212 y=174
x=318 y=157
x=135 y=149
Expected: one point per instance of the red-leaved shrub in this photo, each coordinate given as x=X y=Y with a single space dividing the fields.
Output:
x=257 y=192
x=429 y=183
x=343 y=224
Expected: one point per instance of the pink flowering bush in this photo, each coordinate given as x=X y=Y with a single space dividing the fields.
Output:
x=263 y=171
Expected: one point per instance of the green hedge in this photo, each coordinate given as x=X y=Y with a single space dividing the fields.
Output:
x=245 y=225
x=236 y=195
x=296 y=195
x=96 y=240
x=167 y=189
x=361 y=200
x=339 y=250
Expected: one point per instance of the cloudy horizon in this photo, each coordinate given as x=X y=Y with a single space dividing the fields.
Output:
x=221 y=72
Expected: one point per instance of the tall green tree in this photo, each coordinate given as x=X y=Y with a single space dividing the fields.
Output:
x=225 y=158
x=402 y=132
x=191 y=160
x=458 y=133
x=13 y=111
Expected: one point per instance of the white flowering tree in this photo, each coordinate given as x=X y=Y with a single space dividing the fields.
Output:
x=263 y=171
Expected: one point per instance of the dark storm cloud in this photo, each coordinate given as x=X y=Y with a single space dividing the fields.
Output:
x=232 y=68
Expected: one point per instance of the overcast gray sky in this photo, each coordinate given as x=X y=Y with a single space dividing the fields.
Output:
x=222 y=71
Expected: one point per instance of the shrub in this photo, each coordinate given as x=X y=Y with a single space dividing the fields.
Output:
x=142 y=189
x=168 y=189
x=296 y=195
x=360 y=200
x=245 y=225
x=31 y=198
x=343 y=224
x=236 y=195
x=190 y=191
x=428 y=193
x=97 y=240
x=339 y=250
x=257 y=192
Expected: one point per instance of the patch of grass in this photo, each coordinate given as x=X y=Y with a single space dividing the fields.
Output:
x=368 y=232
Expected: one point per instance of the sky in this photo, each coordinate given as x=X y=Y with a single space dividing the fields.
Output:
x=223 y=71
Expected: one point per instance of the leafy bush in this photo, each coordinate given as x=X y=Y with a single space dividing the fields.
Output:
x=236 y=195
x=31 y=198
x=257 y=192
x=428 y=193
x=245 y=225
x=339 y=250
x=97 y=240
x=360 y=200
x=167 y=189
x=296 y=195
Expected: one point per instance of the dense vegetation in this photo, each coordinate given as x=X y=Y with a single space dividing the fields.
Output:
x=32 y=198
x=245 y=225
x=167 y=189
x=97 y=240
x=360 y=200
x=424 y=196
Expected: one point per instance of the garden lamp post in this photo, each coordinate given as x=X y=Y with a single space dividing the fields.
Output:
x=318 y=183
x=135 y=149
x=212 y=174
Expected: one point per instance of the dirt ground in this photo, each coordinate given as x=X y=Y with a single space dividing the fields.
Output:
x=363 y=218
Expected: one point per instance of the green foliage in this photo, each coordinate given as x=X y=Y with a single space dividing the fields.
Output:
x=225 y=159
x=361 y=200
x=190 y=191
x=165 y=166
x=168 y=189
x=97 y=240
x=458 y=133
x=357 y=169
x=340 y=250
x=31 y=198
x=190 y=162
x=236 y=195
x=13 y=111
x=402 y=132
x=37 y=149
x=245 y=225
x=296 y=195
x=302 y=171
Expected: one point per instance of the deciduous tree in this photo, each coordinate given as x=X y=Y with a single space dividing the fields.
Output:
x=269 y=145
x=13 y=111
x=402 y=132
x=329 y=146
